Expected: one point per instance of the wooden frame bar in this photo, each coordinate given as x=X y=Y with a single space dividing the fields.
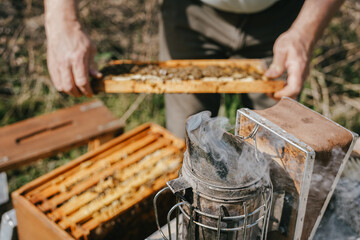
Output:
x=111 y=85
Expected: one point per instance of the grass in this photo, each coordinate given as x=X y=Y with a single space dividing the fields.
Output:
x=128 y=30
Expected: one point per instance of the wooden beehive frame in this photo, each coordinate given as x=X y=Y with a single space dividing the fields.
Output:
x=111 y=85
x=95 y=188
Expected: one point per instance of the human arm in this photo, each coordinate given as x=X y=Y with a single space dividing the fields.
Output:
x=70 y=53
x=293 y=48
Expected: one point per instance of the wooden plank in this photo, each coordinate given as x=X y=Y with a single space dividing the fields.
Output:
x=111 y=85
x=190 y=86
x=34 y=224
x=175 y=141
x=98 y=141
x=43 y=136
x=257 y=65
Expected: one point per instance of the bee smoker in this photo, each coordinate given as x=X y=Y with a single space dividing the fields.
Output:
x=218 y=197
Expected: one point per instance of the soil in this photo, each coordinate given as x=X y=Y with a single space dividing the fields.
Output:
x=183 y=73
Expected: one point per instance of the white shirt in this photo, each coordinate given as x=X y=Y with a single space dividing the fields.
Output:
x=240 y=6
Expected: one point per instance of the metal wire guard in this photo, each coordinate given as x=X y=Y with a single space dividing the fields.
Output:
x=266 y=199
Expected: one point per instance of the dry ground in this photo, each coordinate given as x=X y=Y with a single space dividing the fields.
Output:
x=127 y=29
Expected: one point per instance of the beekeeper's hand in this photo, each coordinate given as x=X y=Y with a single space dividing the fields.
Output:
x=293 y=49
x=293 y=55
x=70 y=53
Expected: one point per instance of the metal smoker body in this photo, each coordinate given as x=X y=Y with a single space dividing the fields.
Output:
x=212 y=209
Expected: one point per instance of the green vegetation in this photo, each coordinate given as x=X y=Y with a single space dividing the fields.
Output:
x=128 y=30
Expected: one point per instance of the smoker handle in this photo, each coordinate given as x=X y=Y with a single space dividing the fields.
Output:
x=156 y=212
x=252 y=136
x=176 y=206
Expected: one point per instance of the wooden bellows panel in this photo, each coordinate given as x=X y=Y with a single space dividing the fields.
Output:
x=308 y=153
x=94 y=189
x=119 y=78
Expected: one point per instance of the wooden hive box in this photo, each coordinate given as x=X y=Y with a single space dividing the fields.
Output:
x=104 y=194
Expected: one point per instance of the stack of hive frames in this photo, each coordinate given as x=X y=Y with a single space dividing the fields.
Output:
x=95 y=189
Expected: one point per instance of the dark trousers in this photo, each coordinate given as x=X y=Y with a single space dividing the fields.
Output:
x=190 y=29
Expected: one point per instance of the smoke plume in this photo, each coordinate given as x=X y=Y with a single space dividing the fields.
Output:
x=218 y=156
